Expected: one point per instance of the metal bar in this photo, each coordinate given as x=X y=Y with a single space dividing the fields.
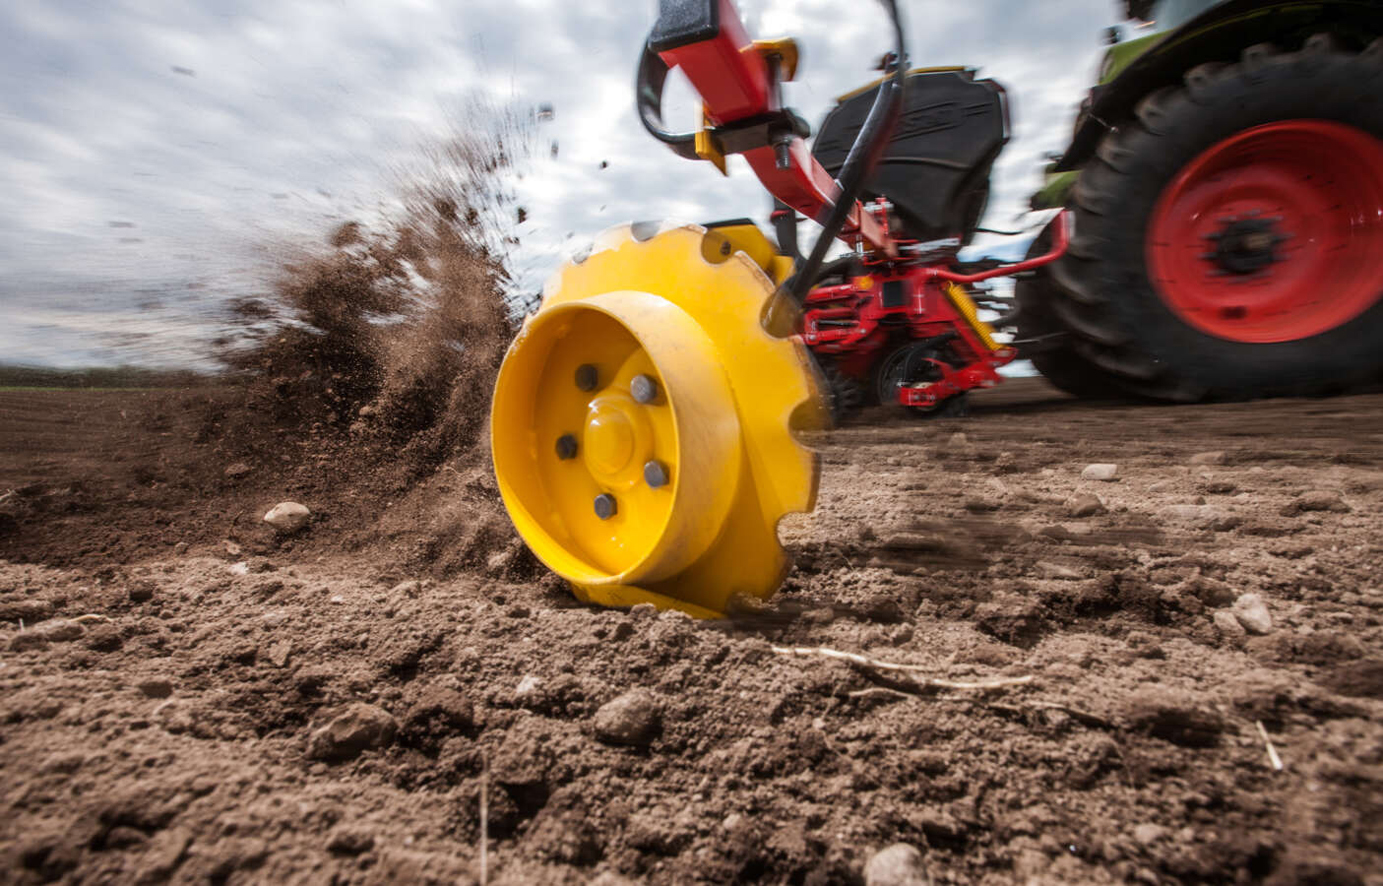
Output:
x=1062 y=240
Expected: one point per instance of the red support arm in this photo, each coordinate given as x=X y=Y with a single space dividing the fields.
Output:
x=733 y=80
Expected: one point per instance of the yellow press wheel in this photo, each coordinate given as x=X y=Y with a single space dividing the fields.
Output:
x=642 y=425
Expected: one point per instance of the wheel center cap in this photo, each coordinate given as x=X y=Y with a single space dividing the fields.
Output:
x=609 y=438
x=1245 y=245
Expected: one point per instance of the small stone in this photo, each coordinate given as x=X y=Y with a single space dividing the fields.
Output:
x=180 y=548
x=499 y=561
x=155 y=688
x=1103 y=472
x=959 y=439
x=231 y=548
x=279 y=652
x=528 y=687
x=61 y=631
x=348 y=840
x=732 y=821
x=409 y=588
x=1085 y=504
x=1149 y=833
x=362 y=727
x=1217 y=457
x=337 y=599
x=898 y=865
x=643 y=610
x=165 y=853
x=631 y=719
x=287 y=516
x=1162 y=486
x=142 y=591
x=1227 y=624
x=1058 y=572
x=1253 y=614
x=239 y=469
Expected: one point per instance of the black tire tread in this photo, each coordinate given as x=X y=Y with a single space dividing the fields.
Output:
x=1078 y=303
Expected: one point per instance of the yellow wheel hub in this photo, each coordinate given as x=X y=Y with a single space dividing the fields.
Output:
x=642 y=423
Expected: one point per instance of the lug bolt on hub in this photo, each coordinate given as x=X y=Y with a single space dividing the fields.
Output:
x=655 y=473
x=586 y=377
x=566 y=447
x=644 y=388
x=605 y=506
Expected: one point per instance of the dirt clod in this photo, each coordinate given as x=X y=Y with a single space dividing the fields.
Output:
x=360 y=728
x=631 y=719
x=1085 y=504
x=155 y=688
x=351 y=840
x=1174 y=716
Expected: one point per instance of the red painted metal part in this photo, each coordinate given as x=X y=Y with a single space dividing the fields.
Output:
x=1320 y=186
x=1060 y=240
x=732 y=79
x=982 y=374
x=850 y=323
x=727 y=71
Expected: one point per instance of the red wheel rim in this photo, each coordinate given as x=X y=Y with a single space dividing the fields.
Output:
x=1274 y=234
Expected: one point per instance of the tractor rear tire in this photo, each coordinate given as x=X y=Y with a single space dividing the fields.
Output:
x=1229 y=240
x=1063 y=366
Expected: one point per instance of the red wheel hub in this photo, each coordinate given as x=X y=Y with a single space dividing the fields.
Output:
x=1274 y=234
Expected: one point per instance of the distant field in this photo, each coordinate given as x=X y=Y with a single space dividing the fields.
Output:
x=115 y=378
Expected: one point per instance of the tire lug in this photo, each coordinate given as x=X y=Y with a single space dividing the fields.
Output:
x=606 y=506
x=566 y=447
x=587 y=377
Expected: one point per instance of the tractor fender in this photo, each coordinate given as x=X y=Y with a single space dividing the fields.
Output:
x=1219 y=34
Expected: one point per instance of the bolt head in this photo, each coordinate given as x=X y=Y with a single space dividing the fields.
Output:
x=566 y=447
x=655 y=473
x=587 y=377
x=644 y=388
x=606 y=506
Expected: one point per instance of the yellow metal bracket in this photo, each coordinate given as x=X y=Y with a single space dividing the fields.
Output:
x=707 y=148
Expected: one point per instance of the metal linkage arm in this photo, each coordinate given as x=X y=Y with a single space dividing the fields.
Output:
x=739 y=83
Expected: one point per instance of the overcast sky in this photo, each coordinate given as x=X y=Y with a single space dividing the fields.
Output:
x=155 y=152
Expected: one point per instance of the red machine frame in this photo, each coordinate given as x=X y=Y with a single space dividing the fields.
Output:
x=736 y=79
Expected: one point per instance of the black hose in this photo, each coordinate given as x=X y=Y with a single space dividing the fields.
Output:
x=864 y=155
x=648 y=95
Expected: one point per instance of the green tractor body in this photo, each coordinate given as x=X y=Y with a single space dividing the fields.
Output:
x=1226 y=177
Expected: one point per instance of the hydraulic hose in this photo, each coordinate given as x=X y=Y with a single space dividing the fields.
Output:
x=864 y=155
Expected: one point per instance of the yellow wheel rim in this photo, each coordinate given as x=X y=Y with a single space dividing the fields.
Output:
x=641 y=423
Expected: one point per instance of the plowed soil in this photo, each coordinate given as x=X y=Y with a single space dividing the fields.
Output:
x=186 y=696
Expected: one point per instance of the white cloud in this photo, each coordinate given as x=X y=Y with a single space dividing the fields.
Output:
x=321 y=101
